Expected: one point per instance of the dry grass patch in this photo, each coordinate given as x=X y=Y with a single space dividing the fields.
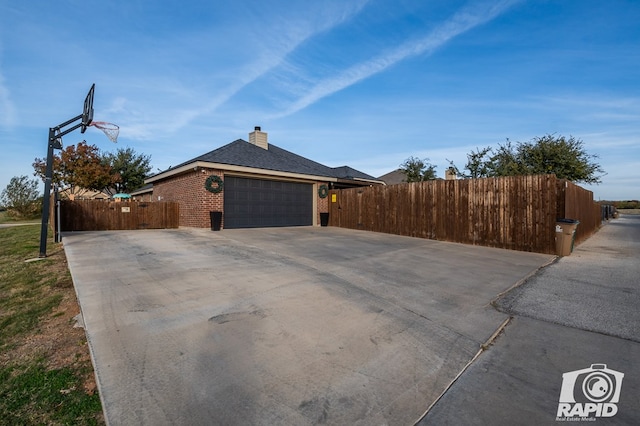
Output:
x=629 y=211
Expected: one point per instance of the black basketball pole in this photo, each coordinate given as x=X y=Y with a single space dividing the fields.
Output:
x=54 y=142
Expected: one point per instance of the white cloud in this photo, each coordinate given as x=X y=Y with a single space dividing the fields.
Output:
x=461 y=22
x=287 y=36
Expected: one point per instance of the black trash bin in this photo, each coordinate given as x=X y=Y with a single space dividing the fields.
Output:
x=216 y=220
x=324 y=219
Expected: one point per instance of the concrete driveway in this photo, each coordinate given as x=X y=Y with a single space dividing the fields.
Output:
x=283 y=325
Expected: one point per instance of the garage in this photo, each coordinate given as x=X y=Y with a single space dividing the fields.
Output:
x=259 y=203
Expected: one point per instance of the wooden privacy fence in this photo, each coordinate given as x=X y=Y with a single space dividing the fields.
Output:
x=575 y=202
x=94 y=215
x=517 y=213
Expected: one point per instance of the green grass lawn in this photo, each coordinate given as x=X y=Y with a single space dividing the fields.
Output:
x=5 y=218
x=44 y=361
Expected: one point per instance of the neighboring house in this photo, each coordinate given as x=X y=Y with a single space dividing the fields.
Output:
x=253 y=184
x=82 y=194
x=398 y=176
x=394 y=177
x=143 y=194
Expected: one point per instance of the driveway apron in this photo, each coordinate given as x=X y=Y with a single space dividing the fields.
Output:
x=300 y=325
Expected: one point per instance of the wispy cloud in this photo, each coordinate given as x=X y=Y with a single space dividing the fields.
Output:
x=462 y=21
x=290 y=33
x=7 y=109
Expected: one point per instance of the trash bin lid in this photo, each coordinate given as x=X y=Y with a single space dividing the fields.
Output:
x=565 y=220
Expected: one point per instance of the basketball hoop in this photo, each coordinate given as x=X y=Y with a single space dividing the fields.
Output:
x=109 y=129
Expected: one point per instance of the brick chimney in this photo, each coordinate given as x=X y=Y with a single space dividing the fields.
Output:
x=450 y=174
x=259 y=138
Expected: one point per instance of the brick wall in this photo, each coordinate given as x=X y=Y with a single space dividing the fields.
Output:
x=195 y=201
x=147 y=196
x=323 y=203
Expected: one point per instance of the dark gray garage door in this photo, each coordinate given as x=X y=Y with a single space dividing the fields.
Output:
x=256 y=203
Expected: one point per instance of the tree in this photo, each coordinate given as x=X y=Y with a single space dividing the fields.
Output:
x=550 y=154
x=565 y=157
x=477 y=164
x=78 y=168
x=506 y=161
x=21 y=197
x=417 y=170
x=131 y=169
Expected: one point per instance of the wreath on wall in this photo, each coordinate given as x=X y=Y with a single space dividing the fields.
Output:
x=323 y=191
x=211 y=180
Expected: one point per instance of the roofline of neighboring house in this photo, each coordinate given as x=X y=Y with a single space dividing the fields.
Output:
x=141 y=191
x=239 y=169
x=376 y=181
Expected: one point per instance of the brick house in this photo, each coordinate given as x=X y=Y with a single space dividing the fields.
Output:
x=253 y=184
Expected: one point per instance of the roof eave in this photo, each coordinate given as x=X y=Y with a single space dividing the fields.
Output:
x=363 y=180
x=233 y=168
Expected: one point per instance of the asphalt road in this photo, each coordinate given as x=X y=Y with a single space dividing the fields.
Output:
x=283 y=325
x=577 y=312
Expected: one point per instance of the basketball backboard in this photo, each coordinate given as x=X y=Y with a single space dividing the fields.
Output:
x=87 y=111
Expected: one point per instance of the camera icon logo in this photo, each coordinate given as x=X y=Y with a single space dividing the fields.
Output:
x=592 y=391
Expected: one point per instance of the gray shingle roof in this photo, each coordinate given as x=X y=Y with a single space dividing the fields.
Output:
x=243 y=153
x=394 y=177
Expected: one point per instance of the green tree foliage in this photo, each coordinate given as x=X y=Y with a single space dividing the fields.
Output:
x=21 y=197
x=477 y=164
x=565 y=157
x=130 y=167
x=78 y=168
x=550 y=154
x=506 y=161
x=417 y=170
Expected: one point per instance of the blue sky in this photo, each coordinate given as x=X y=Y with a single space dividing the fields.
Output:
x=364 y=83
